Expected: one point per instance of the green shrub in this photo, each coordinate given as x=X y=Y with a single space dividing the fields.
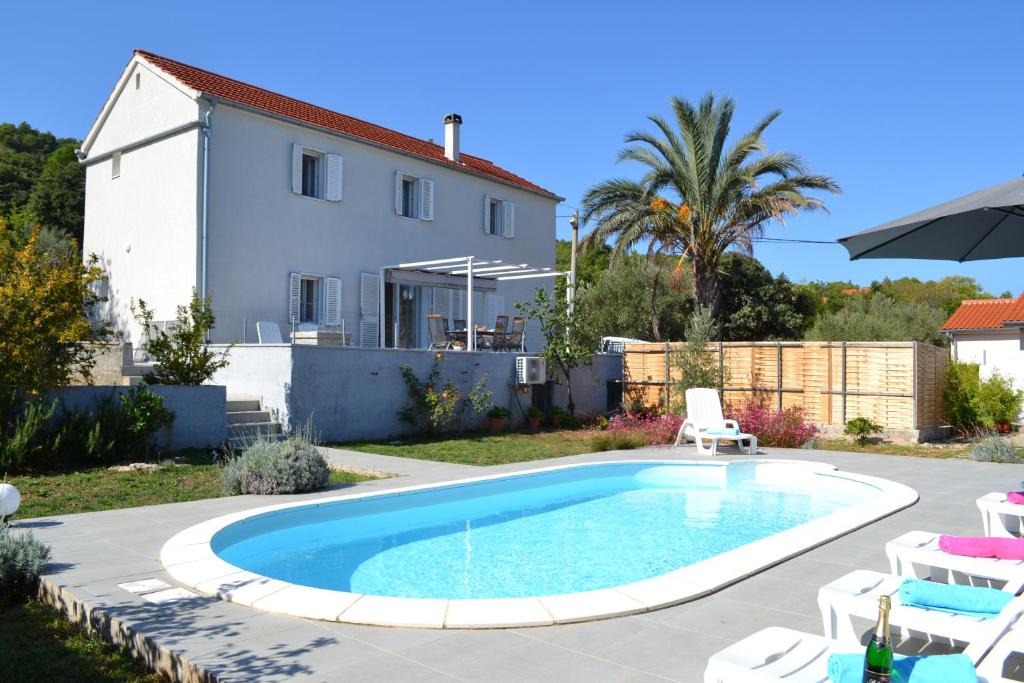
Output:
x=997 y=400
x=995 y=449
x=435 y=407
x=959 y=397
x=534 y=412
x=22 y=560
x=112 y=431
x=696 y=365
x=498 y=412
x=862 y=429
x=291 y=465
x=24 y=437
x=182 y=355
x=617 y=441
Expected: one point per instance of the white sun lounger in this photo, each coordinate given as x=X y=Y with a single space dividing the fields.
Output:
x=917 y=554
x=268 y=332
x=704 y=418
x=1000 y=517
x=782 y=654
x=856 y=595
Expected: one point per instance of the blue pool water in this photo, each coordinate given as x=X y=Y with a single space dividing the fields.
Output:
x=563 y=531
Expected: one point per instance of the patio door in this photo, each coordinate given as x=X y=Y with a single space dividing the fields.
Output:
x=407 y=317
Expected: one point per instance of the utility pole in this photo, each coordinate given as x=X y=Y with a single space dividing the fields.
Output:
x=570 y=290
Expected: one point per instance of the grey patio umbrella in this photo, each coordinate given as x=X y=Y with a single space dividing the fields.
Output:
x=987 y=224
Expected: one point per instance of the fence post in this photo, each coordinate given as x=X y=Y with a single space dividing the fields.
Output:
x=843 y=404
x=778 y=373
x=721 y=367
x=913 y=380
x=668 y=377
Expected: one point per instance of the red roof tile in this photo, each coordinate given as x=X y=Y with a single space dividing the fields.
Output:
x=985 y=314
x=229 y=89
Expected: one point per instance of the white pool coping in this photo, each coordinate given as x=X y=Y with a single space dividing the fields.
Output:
x=189 y=557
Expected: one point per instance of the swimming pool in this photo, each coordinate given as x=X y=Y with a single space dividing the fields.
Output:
x=583 y=541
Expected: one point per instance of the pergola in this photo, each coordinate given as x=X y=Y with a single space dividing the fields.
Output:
x=473 y=271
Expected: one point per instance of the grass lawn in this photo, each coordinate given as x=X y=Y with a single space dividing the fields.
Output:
x=62 y=493
x=38 y=644
x=919 y=450
x=483 y=448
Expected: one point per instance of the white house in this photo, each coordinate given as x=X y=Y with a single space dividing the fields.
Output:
x=285 y=211
x=990 y=332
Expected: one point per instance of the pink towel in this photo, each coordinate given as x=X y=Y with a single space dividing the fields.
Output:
x=982 y=546
x=1015 y=497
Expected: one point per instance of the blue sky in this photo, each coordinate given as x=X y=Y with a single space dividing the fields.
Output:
x=906 y=104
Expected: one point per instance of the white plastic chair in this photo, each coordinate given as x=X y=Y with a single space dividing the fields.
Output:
x=999 y=517
x=782 y=654
x=917 y=554
x=856 y=595
x=704 y=417
x=268 y=332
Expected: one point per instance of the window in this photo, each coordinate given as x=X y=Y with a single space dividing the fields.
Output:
x=115 y=165
x=138 y=80
x=309 y=300
x=410 y=207
x=499 y=217
x=316 y=174
x=311 y=185
x=494 y=217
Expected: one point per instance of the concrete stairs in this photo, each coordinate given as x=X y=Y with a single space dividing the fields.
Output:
x=247 y=421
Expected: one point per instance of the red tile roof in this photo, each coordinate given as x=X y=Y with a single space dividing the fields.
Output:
x=229 y=89
x=985 y=314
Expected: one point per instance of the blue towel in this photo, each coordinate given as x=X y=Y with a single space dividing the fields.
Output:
x=849 y=668
x=969 y=600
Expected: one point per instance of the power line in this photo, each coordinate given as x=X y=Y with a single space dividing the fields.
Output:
x=783 y=240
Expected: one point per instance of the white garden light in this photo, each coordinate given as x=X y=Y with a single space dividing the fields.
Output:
x=10 y=500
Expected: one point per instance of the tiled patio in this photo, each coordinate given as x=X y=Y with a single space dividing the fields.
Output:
x=95 y=552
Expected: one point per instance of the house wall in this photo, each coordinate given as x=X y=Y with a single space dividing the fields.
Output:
x=1001 y=351
x=260 y=231
x=142 y=225
x=353 y=393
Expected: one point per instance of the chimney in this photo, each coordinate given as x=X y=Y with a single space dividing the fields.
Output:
x=452 y=124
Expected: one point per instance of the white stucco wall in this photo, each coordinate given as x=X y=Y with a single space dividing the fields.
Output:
x=260 y=231
x=993 y=351
x=143 y=224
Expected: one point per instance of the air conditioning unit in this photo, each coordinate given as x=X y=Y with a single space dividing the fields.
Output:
x=530 y=370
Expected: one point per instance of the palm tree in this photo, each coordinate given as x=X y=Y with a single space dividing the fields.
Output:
x=698 y=198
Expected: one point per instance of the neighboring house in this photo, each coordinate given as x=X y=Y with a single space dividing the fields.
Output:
x=285 y=211
x=990 y=332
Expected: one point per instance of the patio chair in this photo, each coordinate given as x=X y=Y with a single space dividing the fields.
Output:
x=999 y=517
x=514 y=340
x=856 y=595
x=705 y=422
x=268 y=332
x=917 y=554
x=499 y=341
x=782 y=654
x=438 y=337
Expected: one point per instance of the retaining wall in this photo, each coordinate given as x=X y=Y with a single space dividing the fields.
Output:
x=199 y=420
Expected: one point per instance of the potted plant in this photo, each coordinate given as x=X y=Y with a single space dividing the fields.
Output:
x=998 y=402
x=556 y=415
x=497 y=419
x=533 y=415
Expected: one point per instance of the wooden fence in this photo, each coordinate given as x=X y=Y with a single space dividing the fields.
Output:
x=897 y=384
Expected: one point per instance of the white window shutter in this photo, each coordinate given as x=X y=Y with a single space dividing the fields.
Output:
x=442 y=302
x=334 y=170
x=297 y=169
x=508 y=223
x=494 y=306
x=294 y=294
x=332 y=301
x=369 y=309
x=487 y=214
x=398 y=192
x=426 y=199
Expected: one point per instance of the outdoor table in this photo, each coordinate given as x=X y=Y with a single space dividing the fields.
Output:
x=484 y=337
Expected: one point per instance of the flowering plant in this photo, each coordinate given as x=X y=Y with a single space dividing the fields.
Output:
x=784 y=428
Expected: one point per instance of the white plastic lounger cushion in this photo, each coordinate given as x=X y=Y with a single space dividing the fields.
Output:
x=774 y=654
x=1000 y=517
x=917 y=554
x=857 y=593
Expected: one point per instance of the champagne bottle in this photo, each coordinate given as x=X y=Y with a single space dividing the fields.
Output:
x=878 y=658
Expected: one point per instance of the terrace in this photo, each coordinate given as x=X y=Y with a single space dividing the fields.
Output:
x=199 y=637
